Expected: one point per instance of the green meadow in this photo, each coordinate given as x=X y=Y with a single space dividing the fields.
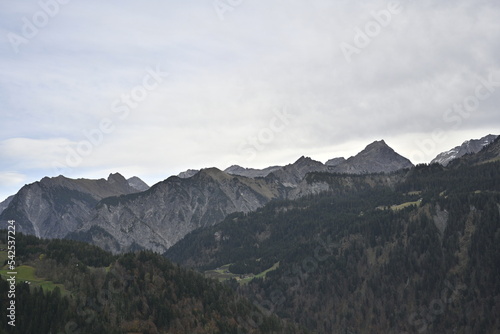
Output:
x=27 y=274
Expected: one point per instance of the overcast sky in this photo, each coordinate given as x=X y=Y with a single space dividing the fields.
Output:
x=153 y=88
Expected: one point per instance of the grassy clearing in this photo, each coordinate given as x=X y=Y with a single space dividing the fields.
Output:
x=27 y=274
x=405 y=205
x=401 y=206
x=24 y=273
x=223 y=274
x=413 y=193
x=488 y=161
x=264 y=273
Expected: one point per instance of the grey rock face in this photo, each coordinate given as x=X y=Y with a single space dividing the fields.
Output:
x=5 y=204
x=187 y=174
x=137 y=184
x=343 y=184
x=489 y=153
x=159 y=217
x=250 y=172
x=467 y=147
x=291 y=175
x=441 y=220
x=377 y=157
x=53 y=207
x=335 y=162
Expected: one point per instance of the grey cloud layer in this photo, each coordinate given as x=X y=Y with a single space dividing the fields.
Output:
x=227 y=77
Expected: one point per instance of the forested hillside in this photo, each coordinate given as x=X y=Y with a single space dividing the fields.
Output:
x=71 y=287
x=420 y=256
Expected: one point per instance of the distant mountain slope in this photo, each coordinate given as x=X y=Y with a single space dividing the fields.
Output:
x=420 y=254
x=53 y=207
x=155 y=218
x=212 y=247
x=377 y=157
x=137 y=183
x=187 y=174
x=488 y=153
x=158 y=218
x=335 y=161
x=161 y=216
x=467 y=147
x=292 y=174
x=250 y=172
x=343 y=184
x=98 y=293
x=5 y=204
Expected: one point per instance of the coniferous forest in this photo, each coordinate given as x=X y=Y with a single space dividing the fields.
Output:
x=420 y=256
x=96 y=292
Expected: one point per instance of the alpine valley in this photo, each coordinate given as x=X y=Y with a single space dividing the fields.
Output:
x=367 y=244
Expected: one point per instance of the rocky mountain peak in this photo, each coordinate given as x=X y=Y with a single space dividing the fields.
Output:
x=55 y=206
x=335 y=161
x=291 y=175
x=250 y=172
x=377 y=144
x=377 y=157
x=117 y=178
x=188 y=173
x=489 y=153
x=234 y=169
x=212 y=173
x=376 y=147
x=58 y=180
x=305 y=161
x=467 y=147
x=137 y=183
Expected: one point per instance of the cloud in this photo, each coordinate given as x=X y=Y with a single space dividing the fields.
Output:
x=10 y=183
x=227 y=78
x=8 y=179
x=28 y=154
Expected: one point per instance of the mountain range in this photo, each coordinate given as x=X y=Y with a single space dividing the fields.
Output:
x=5 y=204
x=414 y=251
x=53 y=207
x=367 y=244
x=121 y=215
x=467 y=147
x=377 y=157
x=157 y=218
